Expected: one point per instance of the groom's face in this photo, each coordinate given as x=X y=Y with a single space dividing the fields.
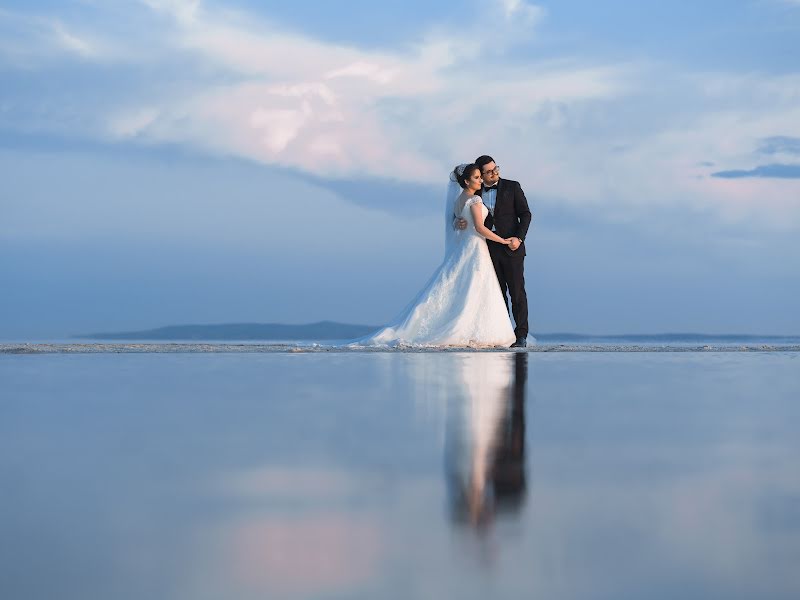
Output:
x=490 y=174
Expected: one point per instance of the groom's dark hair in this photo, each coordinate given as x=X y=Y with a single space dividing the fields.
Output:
x=484 y=160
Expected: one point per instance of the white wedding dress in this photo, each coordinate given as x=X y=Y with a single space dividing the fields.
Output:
x=461 y=305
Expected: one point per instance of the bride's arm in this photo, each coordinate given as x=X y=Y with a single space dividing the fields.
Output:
x=477 y=217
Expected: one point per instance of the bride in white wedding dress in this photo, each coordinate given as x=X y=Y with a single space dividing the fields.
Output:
x=461 y=305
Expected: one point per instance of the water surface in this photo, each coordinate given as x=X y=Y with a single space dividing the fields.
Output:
x=400 y=475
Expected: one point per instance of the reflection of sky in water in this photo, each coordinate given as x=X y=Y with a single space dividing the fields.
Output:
x=413 y=475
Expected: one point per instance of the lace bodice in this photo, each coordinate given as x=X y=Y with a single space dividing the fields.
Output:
x=466 y=205
x=466 y=212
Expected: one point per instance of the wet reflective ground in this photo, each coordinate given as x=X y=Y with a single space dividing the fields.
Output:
x=477 y=475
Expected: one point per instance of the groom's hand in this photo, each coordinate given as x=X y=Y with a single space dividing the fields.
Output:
x=461 y=224
x=515 y=243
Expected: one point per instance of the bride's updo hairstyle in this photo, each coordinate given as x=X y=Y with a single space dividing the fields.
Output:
x=462 y=172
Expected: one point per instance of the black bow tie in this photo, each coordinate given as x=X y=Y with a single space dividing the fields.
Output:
x=491 y=187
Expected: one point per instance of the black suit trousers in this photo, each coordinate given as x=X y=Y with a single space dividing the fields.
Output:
x=511 y=277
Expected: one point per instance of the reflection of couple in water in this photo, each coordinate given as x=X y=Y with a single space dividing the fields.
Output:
x=485 y=444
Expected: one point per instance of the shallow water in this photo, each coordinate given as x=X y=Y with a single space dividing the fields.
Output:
x=400 y=475
x=217 y=347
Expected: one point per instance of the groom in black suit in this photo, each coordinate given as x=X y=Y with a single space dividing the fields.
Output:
x=510 y=217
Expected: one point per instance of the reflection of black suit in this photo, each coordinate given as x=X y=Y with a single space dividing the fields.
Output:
x=511 y=218
x=508 y=473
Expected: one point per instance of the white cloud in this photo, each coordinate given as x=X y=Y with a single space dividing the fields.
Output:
x=521 y=11
x=30 y=39
x=624 y=136
x=303 y=103
x=185 y=11
x=72 y=42
x=370 y=71
x=132 y=123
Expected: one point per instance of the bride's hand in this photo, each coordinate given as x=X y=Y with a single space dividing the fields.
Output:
x=507 y=241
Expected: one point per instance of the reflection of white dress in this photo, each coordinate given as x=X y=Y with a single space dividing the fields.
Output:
x=475 y=414
x=461 y=305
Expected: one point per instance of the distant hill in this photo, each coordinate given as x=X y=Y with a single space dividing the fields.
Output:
x=331 y=330
x=324 y=330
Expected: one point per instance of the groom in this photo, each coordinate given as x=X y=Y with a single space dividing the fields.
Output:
x=509 y=216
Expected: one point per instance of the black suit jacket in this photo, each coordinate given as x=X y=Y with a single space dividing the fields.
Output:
x=512 y=217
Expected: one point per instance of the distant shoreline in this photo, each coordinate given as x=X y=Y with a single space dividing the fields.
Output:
x=332 y=330
x=322 y=330
x=284 y=348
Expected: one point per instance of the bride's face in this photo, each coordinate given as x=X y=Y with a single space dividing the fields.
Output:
x=475 y=180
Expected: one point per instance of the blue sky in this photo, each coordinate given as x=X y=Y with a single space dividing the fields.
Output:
x=176 y=161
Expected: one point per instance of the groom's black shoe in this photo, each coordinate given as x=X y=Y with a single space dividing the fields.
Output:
x=520 y=343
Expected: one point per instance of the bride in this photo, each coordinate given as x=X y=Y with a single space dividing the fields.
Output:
x=461 y=305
